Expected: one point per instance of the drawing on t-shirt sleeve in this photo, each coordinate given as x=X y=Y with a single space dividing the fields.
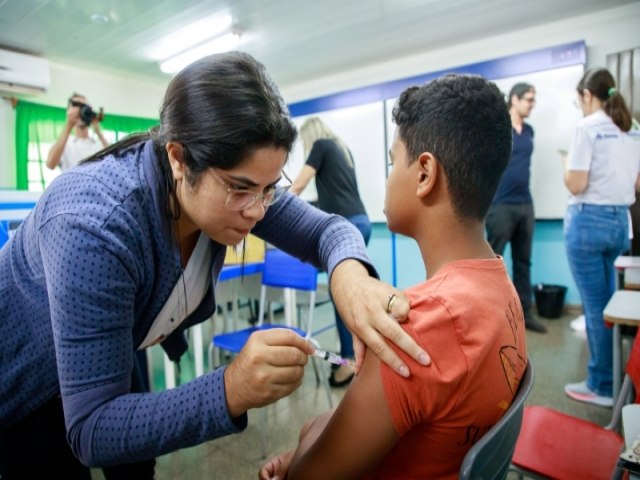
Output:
x=509 y=355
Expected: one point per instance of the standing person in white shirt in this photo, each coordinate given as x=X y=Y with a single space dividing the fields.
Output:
x=602 y=172
x=68 y=151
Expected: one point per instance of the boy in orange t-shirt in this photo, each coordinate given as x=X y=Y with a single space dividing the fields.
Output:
x=451 y=146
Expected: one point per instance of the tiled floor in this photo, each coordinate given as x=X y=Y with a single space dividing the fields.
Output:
x=559 y=357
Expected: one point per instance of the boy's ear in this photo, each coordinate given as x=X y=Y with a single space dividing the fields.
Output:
x=427 y=173
x=176 y=161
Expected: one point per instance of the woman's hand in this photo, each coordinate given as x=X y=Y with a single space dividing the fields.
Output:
x=269 y=367
x=73 y=115
x=276 y=468
x=372 y=309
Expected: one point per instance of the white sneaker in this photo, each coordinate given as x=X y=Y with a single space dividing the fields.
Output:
x=580 y=387
x=578 y=324
x=581 y=393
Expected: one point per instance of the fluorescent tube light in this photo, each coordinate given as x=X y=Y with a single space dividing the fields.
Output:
x=191 y=35
x=221 y=44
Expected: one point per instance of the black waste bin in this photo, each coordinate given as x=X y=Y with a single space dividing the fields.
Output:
x=549 y=299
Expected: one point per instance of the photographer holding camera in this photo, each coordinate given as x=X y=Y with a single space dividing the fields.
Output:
x=68 y=152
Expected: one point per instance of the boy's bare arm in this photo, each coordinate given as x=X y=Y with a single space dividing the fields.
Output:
x=351 y=440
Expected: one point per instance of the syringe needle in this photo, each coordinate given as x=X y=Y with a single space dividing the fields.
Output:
x=332 y=357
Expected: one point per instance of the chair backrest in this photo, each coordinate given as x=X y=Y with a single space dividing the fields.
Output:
x=491 y=456
x=633 y=367
x=630 y=385
x=281 y=270
x=284 y=271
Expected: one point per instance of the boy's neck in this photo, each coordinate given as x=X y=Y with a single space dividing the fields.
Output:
x=453 y=241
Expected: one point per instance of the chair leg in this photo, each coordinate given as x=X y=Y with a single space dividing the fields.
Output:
x=217 y=354
x=210 y=356
x=263 y=432
x=320 y=374
x=324 y=381
x=169 y=372
x=315 y=370
x=618 y=474
x=198 y=349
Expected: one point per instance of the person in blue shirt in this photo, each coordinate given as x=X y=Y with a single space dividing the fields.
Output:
x=124 y=251
x=511 y=217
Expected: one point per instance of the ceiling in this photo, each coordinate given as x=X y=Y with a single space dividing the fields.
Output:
x=296 y=39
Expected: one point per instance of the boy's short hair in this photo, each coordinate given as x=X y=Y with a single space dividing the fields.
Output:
x=464 y=122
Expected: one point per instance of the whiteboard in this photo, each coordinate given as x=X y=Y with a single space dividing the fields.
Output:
x=362 y=128
x=553 y=118
x=368 y=130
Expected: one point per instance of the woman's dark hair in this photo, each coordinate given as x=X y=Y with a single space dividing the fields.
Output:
x=219 y=109
x=601 y=84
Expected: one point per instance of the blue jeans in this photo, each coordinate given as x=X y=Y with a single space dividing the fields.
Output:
x=363 y=224
x=594 y=236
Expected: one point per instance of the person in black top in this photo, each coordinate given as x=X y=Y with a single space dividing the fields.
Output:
x=511 y=218
x=331 y=163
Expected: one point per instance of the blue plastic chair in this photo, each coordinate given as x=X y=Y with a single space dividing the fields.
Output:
x=280 y=270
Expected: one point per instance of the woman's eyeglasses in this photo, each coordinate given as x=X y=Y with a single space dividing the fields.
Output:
x=240 y=199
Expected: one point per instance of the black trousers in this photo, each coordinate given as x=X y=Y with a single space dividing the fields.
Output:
x=37 y=447
x=514 y=224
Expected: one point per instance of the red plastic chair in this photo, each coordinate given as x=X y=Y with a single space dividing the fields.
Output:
x=555 y=445
x=633 y=367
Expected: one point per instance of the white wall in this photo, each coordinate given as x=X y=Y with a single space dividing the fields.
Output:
x=604 y=32
x=553 y=119
x=7 y=145
x=117 y=94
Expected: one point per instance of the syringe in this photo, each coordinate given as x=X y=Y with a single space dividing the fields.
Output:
x=332 y=358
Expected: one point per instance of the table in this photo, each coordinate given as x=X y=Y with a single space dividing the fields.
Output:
x=630 y=266
x=622 y=309
x=626 y=261
x=15 y=205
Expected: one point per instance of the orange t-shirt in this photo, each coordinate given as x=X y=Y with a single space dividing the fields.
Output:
x=468 y=317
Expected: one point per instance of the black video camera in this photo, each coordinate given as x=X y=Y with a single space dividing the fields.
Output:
x=86 y=112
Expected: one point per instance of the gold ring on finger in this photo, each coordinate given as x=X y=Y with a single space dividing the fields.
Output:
x=392 y=299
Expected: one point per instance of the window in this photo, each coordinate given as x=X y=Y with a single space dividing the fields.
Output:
x=37 y=129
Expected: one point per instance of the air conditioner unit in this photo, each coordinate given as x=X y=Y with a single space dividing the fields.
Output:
x=23 y=74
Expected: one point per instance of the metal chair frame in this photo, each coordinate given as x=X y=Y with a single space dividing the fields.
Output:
x=280 y=271
x=490 y=457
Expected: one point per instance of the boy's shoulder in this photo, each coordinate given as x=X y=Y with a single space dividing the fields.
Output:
x=461 y=276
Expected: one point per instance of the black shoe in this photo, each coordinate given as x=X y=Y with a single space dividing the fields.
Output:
x=530 y=323
x=341 y=383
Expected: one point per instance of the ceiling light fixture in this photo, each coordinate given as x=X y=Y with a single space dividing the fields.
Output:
x=191 y=35
x=223 y=43
x=99 y=18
